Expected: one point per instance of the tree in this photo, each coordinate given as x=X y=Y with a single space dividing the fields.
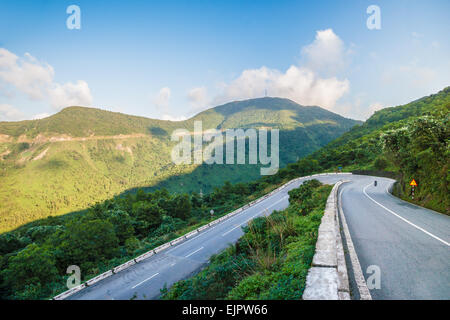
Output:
x=180 y=207
x=32 y=266
x=148 y=215
x=123 y=224
x=87 y=242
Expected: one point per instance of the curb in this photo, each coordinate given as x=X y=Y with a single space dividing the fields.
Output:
x=364 y=293
x=327 y=279
x=188 y=235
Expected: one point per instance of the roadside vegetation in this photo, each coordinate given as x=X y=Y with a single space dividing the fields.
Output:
x=409 y=141
x=34 y=258
x=270 y=261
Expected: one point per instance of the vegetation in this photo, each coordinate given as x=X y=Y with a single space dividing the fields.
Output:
x=411 y=141
x=79 y=156
x=270 y=261
x=108 y=234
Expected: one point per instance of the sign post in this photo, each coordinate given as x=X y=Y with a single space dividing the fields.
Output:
x=413 y=184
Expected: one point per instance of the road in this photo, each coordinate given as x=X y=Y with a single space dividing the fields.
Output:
x=408 y=243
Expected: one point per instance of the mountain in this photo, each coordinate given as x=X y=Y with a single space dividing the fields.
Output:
x=81 y=156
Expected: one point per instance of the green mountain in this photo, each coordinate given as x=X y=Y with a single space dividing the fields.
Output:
x=80 y=156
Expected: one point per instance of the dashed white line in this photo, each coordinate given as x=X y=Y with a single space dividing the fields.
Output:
x=145 y=280
x=400 y=217
x=190 y=254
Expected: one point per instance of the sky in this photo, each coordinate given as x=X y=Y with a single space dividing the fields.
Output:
x=172 y=59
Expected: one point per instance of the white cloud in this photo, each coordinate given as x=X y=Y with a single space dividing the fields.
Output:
x=70 y=94
x=326 y=54
x=172 y=118
x=161 y=100
x=9 y=113
x=374 y=107
x=35 y=79
x=198 y=97
x=303 y=84
x=41 y=116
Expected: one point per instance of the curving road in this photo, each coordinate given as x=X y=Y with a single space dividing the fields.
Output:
x=409 y=244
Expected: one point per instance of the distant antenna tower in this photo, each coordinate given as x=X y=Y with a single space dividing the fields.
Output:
x=265 y=93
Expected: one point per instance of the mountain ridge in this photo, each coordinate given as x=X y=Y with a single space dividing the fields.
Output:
x=79 y=156
x=69 y=118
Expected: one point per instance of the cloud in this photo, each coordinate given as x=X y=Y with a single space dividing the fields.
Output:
x=172 y=118
x=9 y=113
x=374 y=107
x=70 y=94
x=41 y=116
x=326 y=54
x=161 y=100
x=35 y=79
x=298 y=84
x=198 y=97
x=305 y=84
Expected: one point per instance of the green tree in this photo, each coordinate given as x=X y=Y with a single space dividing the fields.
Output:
x=33 y=266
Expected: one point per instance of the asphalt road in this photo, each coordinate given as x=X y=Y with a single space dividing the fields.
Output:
x=409 y=244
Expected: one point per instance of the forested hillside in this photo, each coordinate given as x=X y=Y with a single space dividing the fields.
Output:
x=79 y=156
x=410 y=141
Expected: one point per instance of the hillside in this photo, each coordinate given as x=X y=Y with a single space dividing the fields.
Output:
x=121 y=228
x=410 y=141
x=80 y=156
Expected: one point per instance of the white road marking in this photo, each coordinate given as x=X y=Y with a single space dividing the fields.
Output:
x=224 y=234
x=145 y=280
x=202 y=233
x=190 y=254
x=400 y=217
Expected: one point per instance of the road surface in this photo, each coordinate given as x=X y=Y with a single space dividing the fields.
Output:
x=409 y=244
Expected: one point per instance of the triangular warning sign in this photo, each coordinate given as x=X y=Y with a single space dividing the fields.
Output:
x=413 y=183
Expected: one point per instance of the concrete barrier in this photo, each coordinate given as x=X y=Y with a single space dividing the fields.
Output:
x=144 y=256
x=191 y=234
x=124 y=266
x=162 y=247
x=327 y=279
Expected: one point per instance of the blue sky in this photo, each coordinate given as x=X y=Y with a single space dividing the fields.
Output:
x=172 y=59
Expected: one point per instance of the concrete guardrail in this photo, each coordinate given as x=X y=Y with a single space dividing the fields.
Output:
x=327 y=279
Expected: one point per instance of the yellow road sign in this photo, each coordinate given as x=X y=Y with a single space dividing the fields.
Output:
x=413 y=183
